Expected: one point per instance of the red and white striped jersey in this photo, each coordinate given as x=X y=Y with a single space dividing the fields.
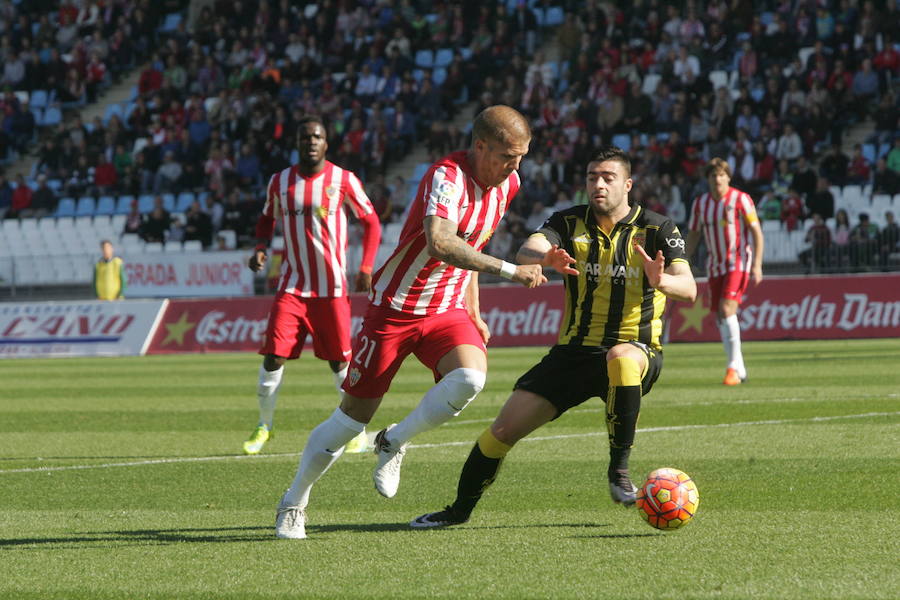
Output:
x=725 y=224
x=410 y=280
x=315 y=227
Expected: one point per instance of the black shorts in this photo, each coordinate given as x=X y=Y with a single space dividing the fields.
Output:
x=568 y=375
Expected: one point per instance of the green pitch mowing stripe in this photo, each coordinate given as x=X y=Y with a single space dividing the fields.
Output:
x=796 y=471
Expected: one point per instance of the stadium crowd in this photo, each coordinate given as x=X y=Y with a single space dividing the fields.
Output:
x=772 y=87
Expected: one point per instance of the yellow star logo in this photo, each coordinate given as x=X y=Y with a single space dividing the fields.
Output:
x=177 y=330
x=693 y=315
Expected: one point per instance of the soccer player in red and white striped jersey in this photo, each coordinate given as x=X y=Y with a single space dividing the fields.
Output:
x=726 y=218
x=425 y=302
x=309 y=199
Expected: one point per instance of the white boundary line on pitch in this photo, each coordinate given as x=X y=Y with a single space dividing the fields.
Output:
x=163 y=461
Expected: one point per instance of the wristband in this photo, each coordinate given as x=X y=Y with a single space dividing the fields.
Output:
x=365 y=269
x=507 y=270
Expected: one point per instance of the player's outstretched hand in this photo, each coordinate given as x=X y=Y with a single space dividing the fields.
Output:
x=530 y=276
x=654 y=268
x=257 y=261
x=560 y=260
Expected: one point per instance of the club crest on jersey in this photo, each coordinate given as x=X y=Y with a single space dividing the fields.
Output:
x=322 y=212
x=353 y=376
x=331 y=191
x=639 y=238
x=583 y=238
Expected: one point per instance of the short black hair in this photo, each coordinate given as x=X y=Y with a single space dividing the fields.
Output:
x=305 y=120
x=615 y=153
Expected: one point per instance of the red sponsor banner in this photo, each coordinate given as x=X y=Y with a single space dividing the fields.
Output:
x=862 y=306
x=800 y=308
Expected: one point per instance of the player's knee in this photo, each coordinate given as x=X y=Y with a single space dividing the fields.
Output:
x=624 y=371
x=465 y=385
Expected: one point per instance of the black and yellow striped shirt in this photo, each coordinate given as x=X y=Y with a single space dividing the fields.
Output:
x=610 y=300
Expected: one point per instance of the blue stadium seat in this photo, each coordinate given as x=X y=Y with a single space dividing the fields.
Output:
x=439 y=76
x=106 y=205
x=443 y=58
x=123 y=205
x=424 y=59
x=52 y=116
x=171 y=22
x=65 y=208
x=185 y=199
x=539 y=16
x=85 y=207
x=38 y=99
x=868 y=152
x=554 y=16
x=168 y=202
x=113 y=108
x=145 y=203
x=623 y=141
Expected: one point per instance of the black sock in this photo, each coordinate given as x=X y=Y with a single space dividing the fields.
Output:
x=477 y=475
x=623 y=404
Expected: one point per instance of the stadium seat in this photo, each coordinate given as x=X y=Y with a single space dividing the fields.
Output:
x=554 y=16
x=172 y=247
x=170 y=23
x=85 y=206
x=539 y=15
x=38 y=99
x=229 y=236
x=113 y=108
x=145 y=203
x=718 y=79
x=66 y=207
x=651 y=80
x=869 y=153
x=123 y=205
x=193 y=246
x=106 y=205
x=52 y=116
x=439 y=76
x=443 y=57
x=804 y=54
x=424 y=59
x=184 y=201
x=153 y=247
x=771 y=226
x=168 y=202
x=622 y=140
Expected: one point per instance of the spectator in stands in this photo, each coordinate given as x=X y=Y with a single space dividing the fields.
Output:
x=804 y=179
x=893 y=157
x=105 y=176
x=72 y=89
x=769 y=207
x=156 y=224
x=821 y=202
x=198 y=226
x=864 y=88
x=863 y=243
x=168 y=175
x=790 y=146
x=6 y=193
x=792 y=209
x=834 y=165
x=248 y=167
x=175 y=233
x=888 y=240
x=43 y=201
x=134 y=220
x=21 y=199
x=858 y=171
x=818 y=255
x=885 y=181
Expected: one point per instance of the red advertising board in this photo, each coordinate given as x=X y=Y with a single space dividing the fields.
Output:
x=860 y=306
x=800 y=308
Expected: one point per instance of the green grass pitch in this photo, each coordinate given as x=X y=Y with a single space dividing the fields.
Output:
x=120 y=478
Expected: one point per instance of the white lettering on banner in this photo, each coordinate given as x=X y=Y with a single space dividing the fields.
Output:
x=535 y=320
x=860 y=312
x=150 y=274
x=67 y=326
x=216 y=273
x=810 y=313
x=213 y=328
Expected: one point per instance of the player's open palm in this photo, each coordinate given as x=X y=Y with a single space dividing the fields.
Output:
x=560 y=260
x=653 y=267
x=530 y=276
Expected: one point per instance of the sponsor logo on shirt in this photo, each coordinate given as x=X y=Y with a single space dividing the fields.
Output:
x=446 y=192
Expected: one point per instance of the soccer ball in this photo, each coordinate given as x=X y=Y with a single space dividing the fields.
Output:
x=668 y=499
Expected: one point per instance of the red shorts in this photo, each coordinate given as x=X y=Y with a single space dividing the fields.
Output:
x=730 y=286
x=388 y=336
x=327 y=320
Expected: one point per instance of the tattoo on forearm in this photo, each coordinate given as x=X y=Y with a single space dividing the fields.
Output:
x=531 y=253
x=459 y=254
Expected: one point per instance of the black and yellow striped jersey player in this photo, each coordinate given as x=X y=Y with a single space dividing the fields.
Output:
x=622 y=263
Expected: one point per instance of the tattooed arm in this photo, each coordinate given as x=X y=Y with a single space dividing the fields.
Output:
x=443 y=244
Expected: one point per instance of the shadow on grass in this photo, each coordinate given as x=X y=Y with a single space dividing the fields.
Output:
x=613 y=536
x=150 y=537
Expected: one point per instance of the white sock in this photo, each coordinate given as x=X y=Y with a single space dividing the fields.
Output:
x=267 y=394
x=733 y=346
x=324 y=446
x=339 y=380
x=444 y=401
